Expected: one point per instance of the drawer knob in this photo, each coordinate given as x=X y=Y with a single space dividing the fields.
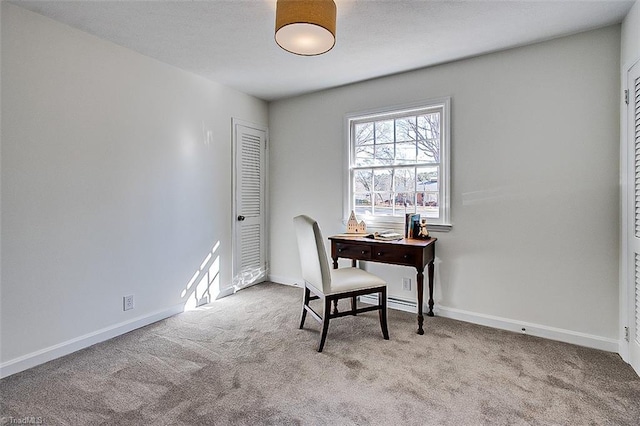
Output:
x=340 y=250
x=363 y=252
x=379 y=253
x=406 y=256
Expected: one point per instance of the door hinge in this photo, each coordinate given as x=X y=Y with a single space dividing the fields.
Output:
x=626 y=334
x=626 y=97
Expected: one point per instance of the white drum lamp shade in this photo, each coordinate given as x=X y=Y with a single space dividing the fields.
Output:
x=306 y=27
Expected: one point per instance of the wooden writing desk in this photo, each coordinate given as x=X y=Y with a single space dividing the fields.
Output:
x=406 y=252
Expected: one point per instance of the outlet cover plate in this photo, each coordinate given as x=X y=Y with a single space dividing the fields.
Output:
x=127 y=302
x=406 y=284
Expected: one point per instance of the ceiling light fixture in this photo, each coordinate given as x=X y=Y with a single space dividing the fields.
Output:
x=306 y=27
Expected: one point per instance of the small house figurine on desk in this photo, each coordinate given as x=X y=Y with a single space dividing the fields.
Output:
x=420 y=231
x=355 y=227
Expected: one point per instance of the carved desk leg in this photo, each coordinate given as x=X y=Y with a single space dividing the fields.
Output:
x=420 y=299
x=430 y=272
x=335 y=301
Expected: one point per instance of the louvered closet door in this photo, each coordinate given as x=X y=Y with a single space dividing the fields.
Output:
x=249 y=261
x=633 y=137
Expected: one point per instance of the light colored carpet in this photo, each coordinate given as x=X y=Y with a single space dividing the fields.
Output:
x=242 y=360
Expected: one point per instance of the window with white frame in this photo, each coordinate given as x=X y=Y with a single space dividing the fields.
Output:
x=399 y=163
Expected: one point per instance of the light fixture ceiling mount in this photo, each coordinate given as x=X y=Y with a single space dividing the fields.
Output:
x=306 y=27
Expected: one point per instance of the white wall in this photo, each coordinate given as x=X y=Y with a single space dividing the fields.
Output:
x=535 y=211
x=110 y=185
x=630 y=37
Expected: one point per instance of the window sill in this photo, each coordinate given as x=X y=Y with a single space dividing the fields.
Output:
x=378 y=225
x=439 y=227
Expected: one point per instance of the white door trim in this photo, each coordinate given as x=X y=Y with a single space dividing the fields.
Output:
x=627 y=261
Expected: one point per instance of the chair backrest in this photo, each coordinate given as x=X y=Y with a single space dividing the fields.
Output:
x=313 y=257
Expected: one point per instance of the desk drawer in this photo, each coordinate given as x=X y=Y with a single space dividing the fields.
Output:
x=353 y=251
x=394 y=254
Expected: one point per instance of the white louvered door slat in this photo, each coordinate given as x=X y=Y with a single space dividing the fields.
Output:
x=636 y=125
x=249 y=265
x=635 y=99
x=636 y=302
x=633 y=256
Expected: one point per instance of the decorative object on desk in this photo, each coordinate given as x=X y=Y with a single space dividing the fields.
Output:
x=389 y=235
x=407 y=223
x=420 y=230
x=411 y=220
x=355 y=227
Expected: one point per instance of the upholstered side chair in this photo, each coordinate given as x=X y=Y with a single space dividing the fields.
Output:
x=331 y=285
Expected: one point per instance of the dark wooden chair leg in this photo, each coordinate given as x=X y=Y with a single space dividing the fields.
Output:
x=305 y=302
x=354 y=304
x=383 y=313
x=325 y=322
x=335 y=306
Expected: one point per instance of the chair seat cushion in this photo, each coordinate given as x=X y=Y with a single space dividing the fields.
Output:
x=349 y=279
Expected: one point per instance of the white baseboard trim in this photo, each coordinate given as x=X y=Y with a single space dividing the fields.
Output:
x=227 y=291
x=552 y=333
x=279 y=279
x=41 y=356
x=392 y=303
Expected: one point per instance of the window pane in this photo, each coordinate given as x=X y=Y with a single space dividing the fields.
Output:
x=405 y=180
x=406 y=129
x=406 y=152
x=382 y=180
x=384 y=154
x=429 y=126
x=363 y=134
x=364 y=155
x=384 y=131
x=362 y=203
x=383 y=203
x=427 y=178
x=429 y=150
x=405 y=202
x=429 y=137
x=427 y=204
x=363 y=181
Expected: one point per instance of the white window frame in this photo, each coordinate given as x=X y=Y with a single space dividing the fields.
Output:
x=443 y=223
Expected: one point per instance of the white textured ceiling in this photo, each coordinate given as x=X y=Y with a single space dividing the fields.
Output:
x=231 y=41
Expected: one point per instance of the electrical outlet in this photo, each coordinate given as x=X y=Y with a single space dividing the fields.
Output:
x=127 y=302
x=406 y=284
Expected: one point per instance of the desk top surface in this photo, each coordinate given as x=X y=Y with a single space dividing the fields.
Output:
x=363 y=239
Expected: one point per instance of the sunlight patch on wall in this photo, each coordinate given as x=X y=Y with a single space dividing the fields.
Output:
x=207 y=278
